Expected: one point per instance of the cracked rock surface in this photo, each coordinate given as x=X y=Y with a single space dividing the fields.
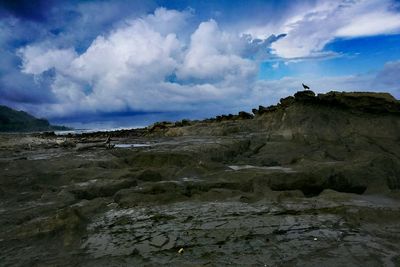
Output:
x=313 y=181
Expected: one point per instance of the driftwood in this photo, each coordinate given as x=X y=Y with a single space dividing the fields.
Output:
x=105 y=144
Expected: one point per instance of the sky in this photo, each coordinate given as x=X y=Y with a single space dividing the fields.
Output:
x=129 y=63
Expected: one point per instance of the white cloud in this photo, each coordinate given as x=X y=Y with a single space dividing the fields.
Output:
x=214 y=55
x=136 y=51
x=166 y=21
x=144 y=65
x=370 y=18
x=275 y=65
x=37 y=60
x=313 y=27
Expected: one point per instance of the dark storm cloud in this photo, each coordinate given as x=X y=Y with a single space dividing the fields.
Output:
x=53 y=24
x=260 y=48
x=37 y=10
x=17 y=87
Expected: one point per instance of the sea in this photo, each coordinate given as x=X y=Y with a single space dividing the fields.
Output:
x=93 y=130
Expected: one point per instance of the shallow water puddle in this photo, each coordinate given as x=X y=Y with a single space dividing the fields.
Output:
x=130 y=145
x=273 y=168
x=191 y=179
x=90 y=182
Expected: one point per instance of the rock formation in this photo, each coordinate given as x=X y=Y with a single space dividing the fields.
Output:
x=313 y=180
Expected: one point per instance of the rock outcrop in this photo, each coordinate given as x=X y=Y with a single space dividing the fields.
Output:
x=313 y=179
x=339 y=140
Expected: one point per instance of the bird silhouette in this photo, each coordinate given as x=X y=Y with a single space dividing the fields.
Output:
x=305 y=86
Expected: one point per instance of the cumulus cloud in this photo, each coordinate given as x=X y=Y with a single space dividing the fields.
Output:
x=315 y=26
x=144 y=65
x=214 y=55
x=37 y=60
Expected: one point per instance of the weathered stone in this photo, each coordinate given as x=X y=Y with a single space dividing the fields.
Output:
x=287 y=101
x=244 y=115
x=283 y=188
x=306 y=95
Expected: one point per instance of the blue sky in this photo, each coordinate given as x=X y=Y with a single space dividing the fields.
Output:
x=127 y=63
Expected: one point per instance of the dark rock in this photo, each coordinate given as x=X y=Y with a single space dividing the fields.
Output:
x=182 y=123
x=271 y=108
x=160 y=126
x=306 y=95
x=262 y=109
x=244 y=115
x=99 y=189
x=362 y=101
x=149 y=176
x=287 y=101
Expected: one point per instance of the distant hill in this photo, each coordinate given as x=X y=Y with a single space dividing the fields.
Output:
x=19 y=121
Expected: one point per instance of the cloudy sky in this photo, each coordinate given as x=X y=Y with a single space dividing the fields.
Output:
x=130 y=63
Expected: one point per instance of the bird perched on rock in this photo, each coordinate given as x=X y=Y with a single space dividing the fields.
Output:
x=305 y=86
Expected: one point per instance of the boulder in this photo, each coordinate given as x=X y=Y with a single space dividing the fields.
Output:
x=244 y=115
x=306 y=95
x=287 y=101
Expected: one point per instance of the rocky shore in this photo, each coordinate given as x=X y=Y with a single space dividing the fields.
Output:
x=311 y=181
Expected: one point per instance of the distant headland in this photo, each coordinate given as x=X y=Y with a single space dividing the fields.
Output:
x=20 y=121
